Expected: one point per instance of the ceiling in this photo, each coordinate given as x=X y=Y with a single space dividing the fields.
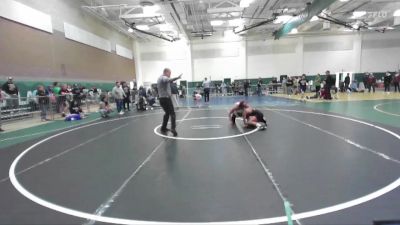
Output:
x=200 y=19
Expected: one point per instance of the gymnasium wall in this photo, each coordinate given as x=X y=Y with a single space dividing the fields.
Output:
x=293 y=55
x=76 y=48
x=155 y=56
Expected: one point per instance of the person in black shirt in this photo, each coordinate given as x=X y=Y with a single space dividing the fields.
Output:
x=127 y=98
x=246 y=87
x=43 y=101
x=347 y=82
x=76 y=92
x=329 y=82
x=12 y=91
x=289 y=84
x=259 y=86
x=303 y=85
x=386 y=81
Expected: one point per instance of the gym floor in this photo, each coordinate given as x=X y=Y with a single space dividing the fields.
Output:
x=335 y=162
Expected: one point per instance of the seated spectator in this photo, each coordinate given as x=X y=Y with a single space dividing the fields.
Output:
x=74 y=108
x=353 y=86
x=361 y=87
x=104 y=107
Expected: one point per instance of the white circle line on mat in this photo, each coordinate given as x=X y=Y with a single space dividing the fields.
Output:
x=202 y=139
x=393 y=185
x=382 y=111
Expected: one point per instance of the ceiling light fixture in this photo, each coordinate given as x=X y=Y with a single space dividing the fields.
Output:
x=283 y=19
x=142 y=27
x=294 y=31
x=245 y=3
x=165 y=27
x=216 y=22
x=357 y=14
x=314 y=18
x=236 y=22
x=148 y=10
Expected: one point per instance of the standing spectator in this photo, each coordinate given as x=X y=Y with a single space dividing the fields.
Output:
x=76 y=92
x=396 y=81
x=56 y=92
x=329 y=83
x=365 y=79
x=206 y=89
x=371 y=83
x=259 y=86
x=164 y=92
x=43 y=101
x=174 y=94
x=303 y=85
x=1 y=101
x=224 y=88
x=274 y=82
x=246 y=87
x=12 y=91
x=347 y=82
x=127 y=96
x=118 y=95
x=386 y=81
x=289 y=85
x=317 y=83
x=284 y=87
x=64 y=105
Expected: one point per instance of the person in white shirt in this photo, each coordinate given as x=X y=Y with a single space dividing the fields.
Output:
x=223 y=88
x=206 y=88
x=118 y=94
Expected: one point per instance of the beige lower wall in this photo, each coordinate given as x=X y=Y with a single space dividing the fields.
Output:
x=30 y=53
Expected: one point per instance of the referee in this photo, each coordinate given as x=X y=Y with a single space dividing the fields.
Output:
x=164 y=94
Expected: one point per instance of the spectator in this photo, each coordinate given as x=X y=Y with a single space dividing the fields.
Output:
x=64 y=105
x=329 y=83
x=12 y=91
x=284 y=87
x=317 y=83
x=259 y=86
x=274 y=82
x=365 y=79
x=206 y=89
x=371 y=83
x=76 y=92
x=246 y=87
x=347 y=82
x=303 y=85
x=289 y=85
x=104 y=107
x=118 y=95
x=361 y=87
x=353 y=86
x=396 y=81
x=127 y=96
x=386 y=81
x=76 y=112
x=43 y=101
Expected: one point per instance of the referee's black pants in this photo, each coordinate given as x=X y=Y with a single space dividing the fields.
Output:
x=168 y=107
